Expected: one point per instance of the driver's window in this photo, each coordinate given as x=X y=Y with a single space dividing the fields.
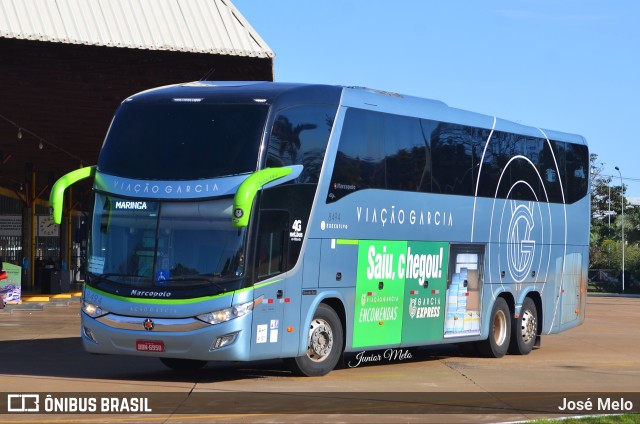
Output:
x=271 y=249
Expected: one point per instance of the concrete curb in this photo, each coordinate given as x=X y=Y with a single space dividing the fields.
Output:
x=613 y=295
x=40 y=302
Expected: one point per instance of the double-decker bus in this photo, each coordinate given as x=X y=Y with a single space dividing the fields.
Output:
x=239 y=221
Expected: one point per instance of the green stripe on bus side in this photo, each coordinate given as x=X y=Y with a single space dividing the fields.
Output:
x=266 y=283
x=176 y=301
x=154 y=301
x=347 y=241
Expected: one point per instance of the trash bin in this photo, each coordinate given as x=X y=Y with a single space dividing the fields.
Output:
x=65 y=280
x=51 y=281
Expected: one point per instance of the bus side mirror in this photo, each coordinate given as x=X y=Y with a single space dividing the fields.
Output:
x=247 y=191
x=56 y=198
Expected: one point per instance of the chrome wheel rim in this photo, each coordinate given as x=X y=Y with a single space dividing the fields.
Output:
x=320 y=340
x=529 y=326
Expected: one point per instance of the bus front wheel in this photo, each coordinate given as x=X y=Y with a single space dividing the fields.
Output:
x=497 y=344
x=324 y=345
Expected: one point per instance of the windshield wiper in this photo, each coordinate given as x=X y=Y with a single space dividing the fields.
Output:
x=119 y=275
x=122 y=277
x=210 y=278
x=110 y=275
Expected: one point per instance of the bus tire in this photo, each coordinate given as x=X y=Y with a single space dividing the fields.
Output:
x=179 y=364
x=324 y=345
x=524 y=329
x=497 y=344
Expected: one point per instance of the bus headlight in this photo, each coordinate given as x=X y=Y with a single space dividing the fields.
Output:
x=227 y=314
x=94 y=311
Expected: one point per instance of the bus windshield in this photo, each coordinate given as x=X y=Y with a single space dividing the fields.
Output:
x=161 y=244
x=178 y=141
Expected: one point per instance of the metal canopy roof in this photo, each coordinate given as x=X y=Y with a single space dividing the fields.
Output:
x=65 y=66
x=198 y=26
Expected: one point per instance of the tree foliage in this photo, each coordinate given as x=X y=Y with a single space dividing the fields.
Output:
x=607 y=221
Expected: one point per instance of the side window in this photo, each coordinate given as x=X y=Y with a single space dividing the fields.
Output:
x=271 y=247
x=520 y=179
x=479 y=137
x=549 y=158
x=577 y=178
x=492 y=165
x=454 y=155
x=408 y=158
x=525 y=182
x=360 y=159
x=380 y=150
x=573 y=163
x=296 y=200
x=299 y=137
x=385 y=151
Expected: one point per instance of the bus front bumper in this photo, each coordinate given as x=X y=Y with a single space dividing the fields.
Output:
x=172 y=338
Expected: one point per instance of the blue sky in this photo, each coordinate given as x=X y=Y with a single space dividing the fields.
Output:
x=566 y=65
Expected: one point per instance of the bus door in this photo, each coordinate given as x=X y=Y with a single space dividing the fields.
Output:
x=270 y=262
x=464 y=291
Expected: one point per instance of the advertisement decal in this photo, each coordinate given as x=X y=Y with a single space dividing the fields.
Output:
x=400 y=292
x=10 y=283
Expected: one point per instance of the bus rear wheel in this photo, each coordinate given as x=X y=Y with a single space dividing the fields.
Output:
x=497 y=344
x=179 y=364
x=324 y=345
x=524 y=329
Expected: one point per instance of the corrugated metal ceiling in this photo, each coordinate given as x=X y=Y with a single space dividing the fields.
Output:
x=199 y=26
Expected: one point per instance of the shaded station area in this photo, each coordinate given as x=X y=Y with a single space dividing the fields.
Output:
x=65 y=66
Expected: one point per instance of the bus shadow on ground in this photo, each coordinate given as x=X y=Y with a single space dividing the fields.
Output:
x=66 y=358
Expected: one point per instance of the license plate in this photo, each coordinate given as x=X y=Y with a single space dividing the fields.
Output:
x=149 y=346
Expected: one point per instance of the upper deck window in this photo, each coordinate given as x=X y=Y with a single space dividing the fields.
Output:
x=299 y=136
x=183 y=141
x=385 y=151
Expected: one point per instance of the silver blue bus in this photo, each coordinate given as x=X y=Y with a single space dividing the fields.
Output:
x=239 y=221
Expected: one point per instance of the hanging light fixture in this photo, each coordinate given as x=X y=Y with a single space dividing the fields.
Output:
x=22 y=131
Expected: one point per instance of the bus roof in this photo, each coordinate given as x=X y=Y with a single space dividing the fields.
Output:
x=286 y=94
x=384 y=101
x=243 y=92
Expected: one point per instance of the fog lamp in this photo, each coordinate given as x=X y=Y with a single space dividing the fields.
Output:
x=223 y=341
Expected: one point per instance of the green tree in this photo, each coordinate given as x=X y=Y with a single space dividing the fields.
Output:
x=602 y=216
x=605 y=247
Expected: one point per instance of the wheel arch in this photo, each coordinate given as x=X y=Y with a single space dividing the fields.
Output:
x=497 y=326
x=335 y=301
x=322 y=352
x=337 y=305
x=486 y=316
x=511 y=303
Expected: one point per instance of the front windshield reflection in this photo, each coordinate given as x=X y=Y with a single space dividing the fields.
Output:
x=165 y=244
